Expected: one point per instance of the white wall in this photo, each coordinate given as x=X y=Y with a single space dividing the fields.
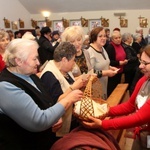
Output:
x=131 y=15
x=13 y=10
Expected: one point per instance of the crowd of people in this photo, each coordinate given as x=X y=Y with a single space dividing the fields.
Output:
x=43 y=73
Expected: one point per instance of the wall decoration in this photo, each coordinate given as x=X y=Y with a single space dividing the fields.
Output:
x=21 y=23
x=94 y=23
x=14 y=25
x=65 y=23
x=33 y=23
x=123 y=22
x=41 y=24
x=75 y=23
x=6 y=23
x=143 y=22
x=104 y=22
x=48 y=23
x=58 y=25
x=84 y=22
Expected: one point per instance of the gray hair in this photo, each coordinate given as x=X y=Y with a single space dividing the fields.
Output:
x=18 y=48
x=65 y=49
x=136 y=36
x=125 y=36
x=138 y=29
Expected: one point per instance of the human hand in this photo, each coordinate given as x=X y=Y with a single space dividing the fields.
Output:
x=74 y=96
x=109 y=73
x=80 y=82
x=94 y=123
x=59 y=40
x=125 y=61
x=57 y=125
x=113 y=68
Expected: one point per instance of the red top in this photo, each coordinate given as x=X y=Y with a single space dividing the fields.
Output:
x=141 y=117
x=120 y=55
x=2 y=63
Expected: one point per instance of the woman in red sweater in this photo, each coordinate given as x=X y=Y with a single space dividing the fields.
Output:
x=137 y=106
x=4 y=40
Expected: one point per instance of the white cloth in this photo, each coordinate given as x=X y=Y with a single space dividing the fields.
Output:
x=64 y=85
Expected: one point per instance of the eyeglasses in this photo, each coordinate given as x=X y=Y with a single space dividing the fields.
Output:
x=144 y=62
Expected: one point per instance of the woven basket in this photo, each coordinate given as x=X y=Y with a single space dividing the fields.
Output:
x=91 y=104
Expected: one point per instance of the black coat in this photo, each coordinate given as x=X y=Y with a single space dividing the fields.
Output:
x=132 y=58
x=46 y=49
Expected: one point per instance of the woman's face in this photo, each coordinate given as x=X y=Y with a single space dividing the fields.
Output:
x=3 y=43
x=145 y=64
x=139 y=39
x=68 y=64
x=130 y=39
x=77 y=43
x=101 y=38
x=30 y=66
x=117 y=38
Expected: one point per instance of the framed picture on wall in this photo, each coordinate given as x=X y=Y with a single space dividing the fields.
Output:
x=6 y=23
x=14 y=25
x=123 y=23
x=21 y=23
x=75 y=23
x=94 y=23
x=41 y=23
x=58 y=25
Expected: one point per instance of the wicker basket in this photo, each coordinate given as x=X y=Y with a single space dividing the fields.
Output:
x=91 y=104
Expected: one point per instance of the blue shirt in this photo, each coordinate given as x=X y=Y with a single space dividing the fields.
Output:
x=19 y=106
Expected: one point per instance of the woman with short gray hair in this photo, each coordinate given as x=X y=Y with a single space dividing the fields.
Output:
x=133 y=62
x=27 y=112
x=59 y=80
x=136 y=43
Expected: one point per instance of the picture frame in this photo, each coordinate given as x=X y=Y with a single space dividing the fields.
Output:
x=75 y=23
x=14 y=25
x=143 y=23
x=33 y=23
x=104 y=22
x=6 y=23
x=93 y=23
x=58 y=26
x=21 y=23
x=84 y=22
x=48 y=23
x=123 y=23
x=41 y=23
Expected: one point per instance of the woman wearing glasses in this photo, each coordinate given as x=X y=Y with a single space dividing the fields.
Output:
x=137 y=106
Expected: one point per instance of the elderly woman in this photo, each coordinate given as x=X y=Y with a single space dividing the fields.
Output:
x=26 y=111
x=4 y=40
x=134 y=112
x=137 y=38
x=133 y=62
x=58 y=78
x=117 y=58
x=75 y=35
x=99 y=58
